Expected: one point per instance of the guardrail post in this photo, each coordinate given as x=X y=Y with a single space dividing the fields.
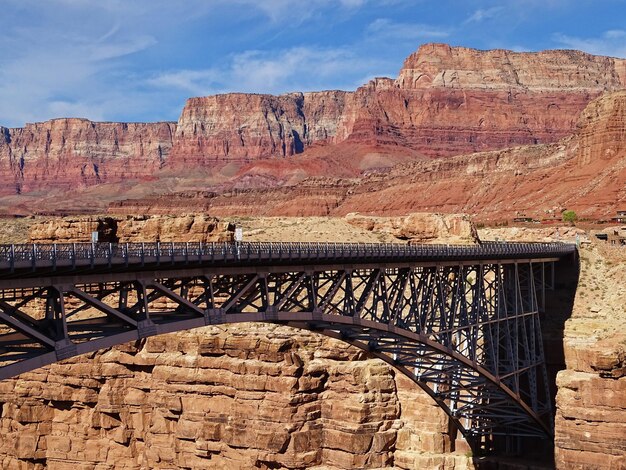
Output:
x=12 y=258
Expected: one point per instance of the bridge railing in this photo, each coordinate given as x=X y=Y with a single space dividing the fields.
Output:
x=97 y=253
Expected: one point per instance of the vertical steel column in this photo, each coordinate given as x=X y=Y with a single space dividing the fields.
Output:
x=145 y=326
x=57 y=321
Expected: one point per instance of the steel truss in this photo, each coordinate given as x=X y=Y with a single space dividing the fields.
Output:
x=467 y=334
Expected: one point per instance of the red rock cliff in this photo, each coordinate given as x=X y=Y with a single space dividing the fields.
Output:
x=240 y=125
x=72 y=152
x=445 y=101
x=584 y=172
x=440 y=65
x=451 y=100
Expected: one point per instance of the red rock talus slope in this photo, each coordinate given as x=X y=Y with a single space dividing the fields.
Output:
x=586 y=172
x=74 y=152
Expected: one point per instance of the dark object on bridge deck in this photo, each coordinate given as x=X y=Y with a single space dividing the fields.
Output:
x=461 y=321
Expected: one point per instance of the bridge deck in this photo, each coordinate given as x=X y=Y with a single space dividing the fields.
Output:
x=35 y=261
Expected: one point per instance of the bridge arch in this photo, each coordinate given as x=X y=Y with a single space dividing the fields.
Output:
x=383 y=342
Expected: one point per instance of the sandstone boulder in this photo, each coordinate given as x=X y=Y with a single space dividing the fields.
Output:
x=421 y=227
x=128 y=229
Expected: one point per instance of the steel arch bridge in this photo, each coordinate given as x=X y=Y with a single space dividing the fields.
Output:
x=463 y=322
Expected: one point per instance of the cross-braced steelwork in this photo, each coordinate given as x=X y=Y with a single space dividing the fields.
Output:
x=466 y=330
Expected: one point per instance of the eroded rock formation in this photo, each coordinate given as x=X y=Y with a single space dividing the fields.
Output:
x=250 y=126
x=421 y=227
x=184 y=228
x=591 y=401
x=237 y=397
x=445 y=101
x=584 y=172
x=590 y=429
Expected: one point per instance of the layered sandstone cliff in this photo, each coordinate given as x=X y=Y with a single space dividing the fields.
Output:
x=129 y=229
x=421 y=227
x=69 y=153
x=445 y=101
x=237 y=397
x=590 y=427
x=440 y=65
x=590 y=423
x=251 y=396
x=584 y=172
x=249 y=126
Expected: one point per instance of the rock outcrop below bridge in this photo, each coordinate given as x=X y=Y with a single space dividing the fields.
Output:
x=238 y=397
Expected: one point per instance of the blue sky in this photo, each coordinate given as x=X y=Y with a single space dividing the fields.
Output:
x=138 y=60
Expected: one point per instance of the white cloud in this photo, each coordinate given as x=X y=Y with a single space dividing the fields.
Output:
x=278 y=10
x=57 y=75
x=383 y=28
x=293 y=69
x=484 y=14
x=113 y=49
x=611 y=43
x=75 y=57
x=196 y=82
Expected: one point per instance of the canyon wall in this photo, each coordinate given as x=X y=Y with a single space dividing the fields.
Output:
x=237 y=397
x=590 y=423
x=445 y=101
x=231 y=396
x=584 y=172
x=70 y=153
x=440 y=65
x=249 y=126
x=262 y=396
